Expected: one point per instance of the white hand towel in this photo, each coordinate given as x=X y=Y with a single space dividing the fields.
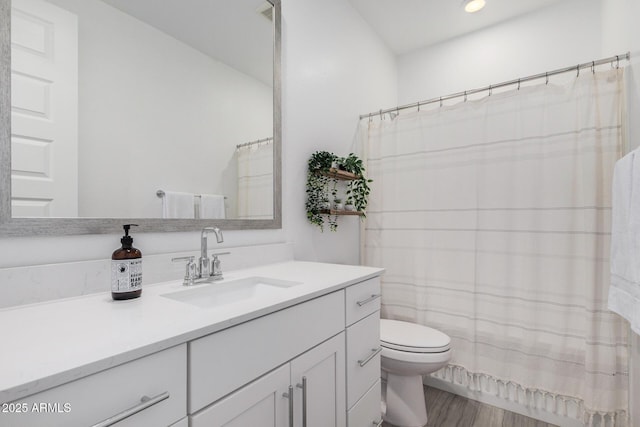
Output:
x=178 y=205
x=624 y=292
x=212 y=206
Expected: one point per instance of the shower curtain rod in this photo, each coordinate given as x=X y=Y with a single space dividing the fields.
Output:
x=612 y=59
x=246 y=144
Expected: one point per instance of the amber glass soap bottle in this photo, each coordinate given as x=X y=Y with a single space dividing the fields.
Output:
x=126 y=269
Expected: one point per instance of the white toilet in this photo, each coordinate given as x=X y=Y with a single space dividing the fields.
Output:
x=409 y=351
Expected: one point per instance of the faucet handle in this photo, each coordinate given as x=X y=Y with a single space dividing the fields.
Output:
x=190 y=273
x=216 y=269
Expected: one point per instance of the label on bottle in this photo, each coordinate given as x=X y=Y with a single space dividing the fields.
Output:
x=126 y=275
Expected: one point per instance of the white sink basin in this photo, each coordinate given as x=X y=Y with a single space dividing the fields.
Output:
x=215 y=294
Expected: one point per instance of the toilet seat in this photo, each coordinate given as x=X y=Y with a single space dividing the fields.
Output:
x=412 y=338
x=394 y=356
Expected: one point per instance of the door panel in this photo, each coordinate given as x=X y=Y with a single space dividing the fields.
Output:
x=44 y=110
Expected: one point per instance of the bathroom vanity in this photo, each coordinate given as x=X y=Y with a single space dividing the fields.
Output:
x=288 y=344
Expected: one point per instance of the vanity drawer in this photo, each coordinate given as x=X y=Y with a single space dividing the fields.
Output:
x=363 y=356
x=362 y=299
x=366 y=412
x=98 y=397
x=224 y=361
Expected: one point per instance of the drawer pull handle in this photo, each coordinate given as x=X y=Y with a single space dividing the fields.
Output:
x=289 y=396
x=377 y=423
x=303 y=386
x=145 y=402
x=374 y=353
x=368 y=300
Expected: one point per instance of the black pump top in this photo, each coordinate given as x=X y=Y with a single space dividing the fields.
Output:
x=127 y=240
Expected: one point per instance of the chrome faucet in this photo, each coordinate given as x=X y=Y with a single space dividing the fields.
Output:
x=205 y=263
x=206 y=270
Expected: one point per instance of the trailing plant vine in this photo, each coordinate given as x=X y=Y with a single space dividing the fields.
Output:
x=317 y=185
x=321 y=185
x=358 y=189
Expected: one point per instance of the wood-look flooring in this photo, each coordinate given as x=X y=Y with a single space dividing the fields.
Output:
x=450 y=410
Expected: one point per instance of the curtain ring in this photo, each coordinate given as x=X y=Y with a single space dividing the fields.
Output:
x=617 y=62
x=441 y=102
x=381 y=118
x=593 y=67
x=518 y=84
x=490 y=90
x=546 y=75
x=578 y=70
x=465 y=96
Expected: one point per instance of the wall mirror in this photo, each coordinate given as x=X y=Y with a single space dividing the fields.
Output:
x=164 y=114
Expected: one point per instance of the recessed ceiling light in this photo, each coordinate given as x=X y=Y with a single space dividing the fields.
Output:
x=473 y=5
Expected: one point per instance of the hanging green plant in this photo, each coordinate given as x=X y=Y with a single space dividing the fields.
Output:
x=358 y=189
x=317 y=185
x=322 y=189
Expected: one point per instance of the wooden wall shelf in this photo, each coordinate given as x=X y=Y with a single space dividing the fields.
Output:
x=341 y=175
x=334 y=212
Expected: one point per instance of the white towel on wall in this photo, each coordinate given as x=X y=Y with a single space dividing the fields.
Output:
x=624 y=293
x=178 y=205
x=212 y=206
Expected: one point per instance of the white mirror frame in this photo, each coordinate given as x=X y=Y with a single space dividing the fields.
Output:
x=10 y=226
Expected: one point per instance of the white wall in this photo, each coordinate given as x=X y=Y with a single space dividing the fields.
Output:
x=334 y=68
x=155 y=114
x=564 y=34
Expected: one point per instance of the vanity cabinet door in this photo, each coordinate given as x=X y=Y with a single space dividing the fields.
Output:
x=260 y=403
x=318 y=377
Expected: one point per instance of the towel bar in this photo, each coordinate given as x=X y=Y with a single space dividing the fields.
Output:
x=161 y=193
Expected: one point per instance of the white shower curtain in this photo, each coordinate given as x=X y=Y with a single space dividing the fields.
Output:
x=492 y=219
x=255 y=180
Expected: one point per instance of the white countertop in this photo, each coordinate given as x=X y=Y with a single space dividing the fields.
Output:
x=48 y=344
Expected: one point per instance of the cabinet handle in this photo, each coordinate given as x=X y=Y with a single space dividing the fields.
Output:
x=374 y=352
x=368 y=300
x=145 y=402
x=303 y=386
x=377 y=423
x=289 y=396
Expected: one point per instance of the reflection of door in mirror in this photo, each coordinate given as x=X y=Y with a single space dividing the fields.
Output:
x=44 y=118
x=161 y=104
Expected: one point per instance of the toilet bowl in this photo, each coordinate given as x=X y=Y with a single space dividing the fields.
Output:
x=409 y=351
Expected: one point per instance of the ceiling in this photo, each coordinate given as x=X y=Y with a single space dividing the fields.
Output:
x=246 y=44
x=232 y=31
x=407 y=25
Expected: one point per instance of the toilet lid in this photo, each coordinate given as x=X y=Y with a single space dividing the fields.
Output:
x=411 y=337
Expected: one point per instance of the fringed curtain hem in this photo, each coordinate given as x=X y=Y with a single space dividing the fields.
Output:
x=538 y=399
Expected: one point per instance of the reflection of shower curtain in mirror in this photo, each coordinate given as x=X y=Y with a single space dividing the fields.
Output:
x=255 y=180
x=492 y=220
